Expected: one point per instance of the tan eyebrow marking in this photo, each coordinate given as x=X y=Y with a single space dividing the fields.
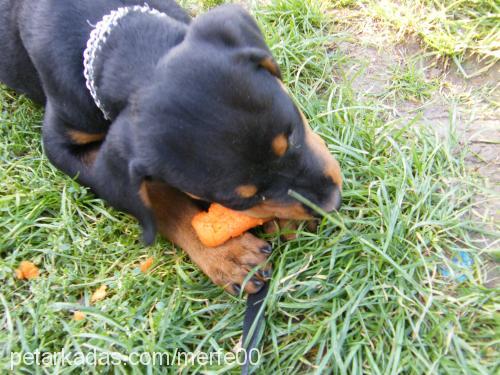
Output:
x=270 y=65
x=318 y=146
x=143 y=194
x=280 y=144
x=246 y=191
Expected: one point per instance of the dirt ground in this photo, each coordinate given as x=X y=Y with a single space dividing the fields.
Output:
x=469 y=105
x=476 y=123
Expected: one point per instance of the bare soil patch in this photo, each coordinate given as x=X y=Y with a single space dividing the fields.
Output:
x=468 y=104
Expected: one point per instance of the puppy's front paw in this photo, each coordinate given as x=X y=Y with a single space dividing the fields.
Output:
x=228 y=265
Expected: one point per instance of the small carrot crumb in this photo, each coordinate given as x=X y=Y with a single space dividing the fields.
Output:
x=99 y=294
x=27 y=270
x=78 y=315
x=146 y=265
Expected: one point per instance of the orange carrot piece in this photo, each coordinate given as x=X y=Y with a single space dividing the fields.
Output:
x=78 y=315
x=27 y=270
x=146 y=265
x=99 y=294
x=220 y=224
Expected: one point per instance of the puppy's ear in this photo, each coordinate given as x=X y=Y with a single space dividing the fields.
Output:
x=226 y=26
x=261 y=58
x=138 y=174
x=230 y=28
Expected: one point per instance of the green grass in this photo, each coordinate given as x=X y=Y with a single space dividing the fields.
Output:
x=208 y=4
x=455 y=29
x=408 y=82
x=363 y=294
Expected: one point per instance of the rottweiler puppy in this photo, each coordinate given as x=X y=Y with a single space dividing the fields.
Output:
x=184 y=110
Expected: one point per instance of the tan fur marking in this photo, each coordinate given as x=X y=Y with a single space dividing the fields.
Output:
x=143 y=194
x=82 y=138
x=332 y=170
x=318 y=146
x=280 y=144
x=270 y=65
x=246 y=191
x=269 y=208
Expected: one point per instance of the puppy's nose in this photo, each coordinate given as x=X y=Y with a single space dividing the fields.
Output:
x=333 y=202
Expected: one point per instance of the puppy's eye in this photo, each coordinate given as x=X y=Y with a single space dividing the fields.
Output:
x=279 y=144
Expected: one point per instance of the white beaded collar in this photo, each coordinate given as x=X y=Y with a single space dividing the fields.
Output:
x=97 y=39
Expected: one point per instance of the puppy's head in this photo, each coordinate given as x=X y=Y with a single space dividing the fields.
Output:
x=217 y=123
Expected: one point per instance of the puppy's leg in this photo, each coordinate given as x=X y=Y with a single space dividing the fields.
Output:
x=96 y=164
x=74 y=159
x=226 y=265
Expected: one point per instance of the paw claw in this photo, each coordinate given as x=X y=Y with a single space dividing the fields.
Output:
x=266 y=249
x=229 y=265
x=265 y=274
x=237 y=289
x=258 y=283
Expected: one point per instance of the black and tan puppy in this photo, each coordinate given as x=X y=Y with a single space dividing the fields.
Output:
x=196 y=110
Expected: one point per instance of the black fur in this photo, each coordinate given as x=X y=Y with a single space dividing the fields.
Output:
x=190 y=103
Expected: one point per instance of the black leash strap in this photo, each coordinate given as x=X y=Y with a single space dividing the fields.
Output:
x=252 y=323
